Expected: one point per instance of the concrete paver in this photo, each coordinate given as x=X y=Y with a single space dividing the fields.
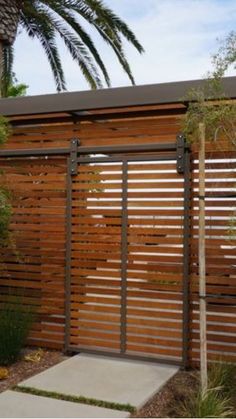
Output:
x=21 y=405
x=103 y=378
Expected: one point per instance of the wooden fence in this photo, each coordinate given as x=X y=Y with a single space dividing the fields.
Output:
x=37 y=265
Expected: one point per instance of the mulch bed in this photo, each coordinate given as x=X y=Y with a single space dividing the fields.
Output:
x=166 y=403
x=23 y=369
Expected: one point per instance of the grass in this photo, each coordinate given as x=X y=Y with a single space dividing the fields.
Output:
x=218 y=400
x=222 y=374
x=75 y=399
x=210 y=404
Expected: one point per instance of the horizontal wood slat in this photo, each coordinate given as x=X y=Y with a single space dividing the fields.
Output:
x=37 y=265
x=220 y=259
x=153 y=279
x=155 y=200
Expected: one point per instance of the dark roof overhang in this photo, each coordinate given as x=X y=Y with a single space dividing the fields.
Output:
x=72 y=102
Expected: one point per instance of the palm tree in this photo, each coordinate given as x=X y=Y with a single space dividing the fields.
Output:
x=46 y=19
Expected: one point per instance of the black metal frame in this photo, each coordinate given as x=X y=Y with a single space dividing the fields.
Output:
x=68 y=251
x=179 y=152
x=124 y=251
x=119 y=355
x=36 y=152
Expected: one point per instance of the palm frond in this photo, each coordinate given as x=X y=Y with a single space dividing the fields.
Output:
x=76 y=48
x=107 y=15
x=118 y=50
x=68 y=17
x=105 y=26
x=80 y=54
x=46 y=19
x=37 y=26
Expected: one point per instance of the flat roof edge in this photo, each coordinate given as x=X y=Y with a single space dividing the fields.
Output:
x=153 y=94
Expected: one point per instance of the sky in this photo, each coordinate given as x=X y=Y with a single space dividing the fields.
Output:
x=179 y=38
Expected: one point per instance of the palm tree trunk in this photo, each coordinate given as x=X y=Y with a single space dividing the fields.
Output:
x=1 y=66
x=9 y=19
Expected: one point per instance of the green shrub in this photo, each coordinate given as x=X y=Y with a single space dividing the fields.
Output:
x=211 y=404
x=218 y=400
x=15 y=323
x=5 y=216
x=222 y=374
x=5 y=129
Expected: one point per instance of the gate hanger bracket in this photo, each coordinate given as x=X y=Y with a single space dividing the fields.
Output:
x=180 y=150
x=75 y=143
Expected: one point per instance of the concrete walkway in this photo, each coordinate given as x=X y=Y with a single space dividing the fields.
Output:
x=96 y=377
x=107 y=379
x=20 y=405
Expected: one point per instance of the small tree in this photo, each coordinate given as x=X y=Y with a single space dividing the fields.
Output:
x=209 y=104
x=210 y=116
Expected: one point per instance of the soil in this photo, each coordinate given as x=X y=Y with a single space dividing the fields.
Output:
x=23 y=369
x=166 y=403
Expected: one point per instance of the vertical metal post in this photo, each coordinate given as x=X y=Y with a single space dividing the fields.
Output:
x=73 y=156
x=180 y=149
x=124 y=251
x=186 y=258
x=68 y=256
x=71 y=170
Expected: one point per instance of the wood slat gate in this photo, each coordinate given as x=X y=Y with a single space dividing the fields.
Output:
x=127 y=251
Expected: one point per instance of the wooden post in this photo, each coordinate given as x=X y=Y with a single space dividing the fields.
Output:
x=202 y=260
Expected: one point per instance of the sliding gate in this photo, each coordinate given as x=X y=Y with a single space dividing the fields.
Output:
x=127 y=251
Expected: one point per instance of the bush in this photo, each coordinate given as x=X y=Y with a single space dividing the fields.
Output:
x=5 y=130
x=218 y=400
x=5 y=216
x=211 y=404
x=222 y=374
x=15 y=323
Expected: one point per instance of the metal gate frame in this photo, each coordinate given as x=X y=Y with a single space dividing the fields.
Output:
x=178 y=151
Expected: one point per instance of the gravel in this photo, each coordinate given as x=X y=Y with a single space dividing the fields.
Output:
x=166 y=403
x=23 y=369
